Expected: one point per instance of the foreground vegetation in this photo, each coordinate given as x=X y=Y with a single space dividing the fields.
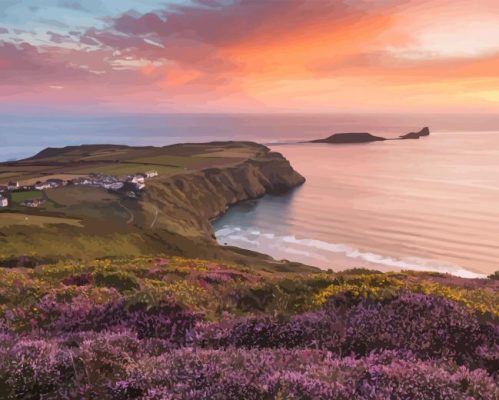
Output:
x=174 y=328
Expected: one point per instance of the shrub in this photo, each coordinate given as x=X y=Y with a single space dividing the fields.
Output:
x=135 y=332
x=49 y=317
x=119 y=280
x=298 y=374
x=483 y=301
x=369 y=286
x=429 y=326
x=494 y=276
x=33 y=369
x=78 y=280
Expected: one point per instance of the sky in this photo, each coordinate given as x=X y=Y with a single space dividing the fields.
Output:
x=261 y=56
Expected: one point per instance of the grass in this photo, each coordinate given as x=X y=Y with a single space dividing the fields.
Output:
x=11 y=219
x=42 y=237
x=74 y=195
x=86 y=202
x=119 y=169
x=192 y=162
x=4 y=176
x=32 y=181
x=18 y=197
x=119 y=160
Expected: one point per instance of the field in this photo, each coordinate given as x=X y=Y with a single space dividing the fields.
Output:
x=18 y=197
x=11 y=219
x=72 y=162
x=175 y=328
x=33 y=181
x=74 y=195
x=121 y=169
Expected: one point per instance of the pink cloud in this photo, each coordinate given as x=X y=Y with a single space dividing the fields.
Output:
x=256 y=50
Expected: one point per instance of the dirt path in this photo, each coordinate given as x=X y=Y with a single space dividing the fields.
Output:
x=129 y=212
x=156 y=212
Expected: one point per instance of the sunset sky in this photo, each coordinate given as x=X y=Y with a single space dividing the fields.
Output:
x=249 y=56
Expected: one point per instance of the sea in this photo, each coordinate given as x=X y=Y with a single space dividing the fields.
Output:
x=428 y=204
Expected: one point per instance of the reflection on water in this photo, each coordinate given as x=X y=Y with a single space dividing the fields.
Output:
x=420 y=204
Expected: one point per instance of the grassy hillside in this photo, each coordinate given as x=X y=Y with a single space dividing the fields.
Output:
x=175 y=328
x=74 y=161
x=172 y=215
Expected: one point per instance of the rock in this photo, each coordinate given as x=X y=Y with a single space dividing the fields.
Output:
x=364 y=137
x=352 y=137
x=416 y=135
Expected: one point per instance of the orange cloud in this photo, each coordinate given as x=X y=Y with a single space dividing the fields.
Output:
x=294 y=55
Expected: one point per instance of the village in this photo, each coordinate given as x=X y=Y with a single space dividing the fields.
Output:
x=129 y=185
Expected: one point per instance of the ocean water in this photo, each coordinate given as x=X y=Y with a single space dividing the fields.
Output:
x=24 y=135
x=428 y=204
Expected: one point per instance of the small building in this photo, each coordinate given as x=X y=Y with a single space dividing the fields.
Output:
x=113 y=186
x=55 y=183
x=137 y=179
x=42 y=185
x=131 y=194
x=34 y=203
x=12 y=185
x=4 y=202
x=151 y=174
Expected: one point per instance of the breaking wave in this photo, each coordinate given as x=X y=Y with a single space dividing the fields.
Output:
x=316 y=252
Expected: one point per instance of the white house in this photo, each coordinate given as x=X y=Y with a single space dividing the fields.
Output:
x=140 y=186
x=43 y=186
x=113 y=186
x=33 y=203
x=151 y=174
x=13 y=185
x=4 y=201
x=138 y=179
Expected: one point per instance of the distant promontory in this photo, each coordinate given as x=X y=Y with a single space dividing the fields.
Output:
x=365 y=137
x=352 y=137
x=416 y=135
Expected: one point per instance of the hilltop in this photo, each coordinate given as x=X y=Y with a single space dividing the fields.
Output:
x=168 y=213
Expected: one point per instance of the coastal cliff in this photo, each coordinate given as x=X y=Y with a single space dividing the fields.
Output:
x=171 y=215
x=188 y=202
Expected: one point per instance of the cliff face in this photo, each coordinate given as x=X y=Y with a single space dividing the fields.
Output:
x=184 y=204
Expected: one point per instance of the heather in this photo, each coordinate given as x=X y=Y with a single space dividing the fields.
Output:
x=174 y=328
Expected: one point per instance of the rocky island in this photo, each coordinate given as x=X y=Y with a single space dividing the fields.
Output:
x=416 y=135
x=365 y=137
x=353 y=137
